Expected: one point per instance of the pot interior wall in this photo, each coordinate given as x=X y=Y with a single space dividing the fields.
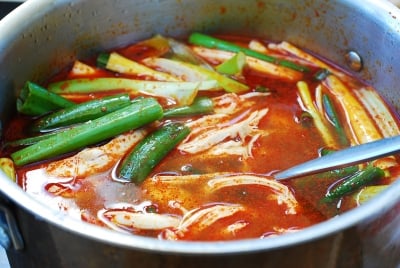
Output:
x=61 y=32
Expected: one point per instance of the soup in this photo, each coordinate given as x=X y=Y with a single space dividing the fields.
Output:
x=180 y=140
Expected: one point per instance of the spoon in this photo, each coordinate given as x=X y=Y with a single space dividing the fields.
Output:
x=343 y=158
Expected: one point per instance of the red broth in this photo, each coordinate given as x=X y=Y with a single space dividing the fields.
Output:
x=226 y=190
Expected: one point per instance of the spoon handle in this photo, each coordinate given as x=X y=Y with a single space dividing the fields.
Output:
x=349 y=156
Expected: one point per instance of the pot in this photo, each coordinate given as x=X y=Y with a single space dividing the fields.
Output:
x=41 y=36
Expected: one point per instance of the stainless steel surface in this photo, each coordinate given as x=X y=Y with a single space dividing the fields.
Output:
x=343 y=158
x=41 y=36
x=11 y=229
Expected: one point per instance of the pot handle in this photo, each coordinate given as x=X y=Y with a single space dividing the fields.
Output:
x=9 y=231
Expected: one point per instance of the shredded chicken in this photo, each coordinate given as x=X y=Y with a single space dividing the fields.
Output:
x=277 y=231
x=282 y=192
x=97 y=159
x=202 y=218
x=123 y=220
x=205 y=135
x=235 y=227
x=217 y=181
x=231 y=103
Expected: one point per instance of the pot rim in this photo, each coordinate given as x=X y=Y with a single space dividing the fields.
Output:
x=380 y=204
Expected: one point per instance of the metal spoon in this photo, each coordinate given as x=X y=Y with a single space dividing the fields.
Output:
x=347 y=157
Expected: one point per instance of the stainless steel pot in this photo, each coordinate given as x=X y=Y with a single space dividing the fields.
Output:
x=41 y=36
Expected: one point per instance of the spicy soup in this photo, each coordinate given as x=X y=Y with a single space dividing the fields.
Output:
x=195 y=146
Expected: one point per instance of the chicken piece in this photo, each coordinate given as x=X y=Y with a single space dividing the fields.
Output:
x=218 y=133
x=97 y=159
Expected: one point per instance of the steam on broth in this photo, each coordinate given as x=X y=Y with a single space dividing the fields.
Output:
x=179 y=140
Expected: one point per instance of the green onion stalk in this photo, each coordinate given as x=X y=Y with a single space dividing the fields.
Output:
x=137 y=114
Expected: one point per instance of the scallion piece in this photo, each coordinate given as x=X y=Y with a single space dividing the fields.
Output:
x=354 y=182
x=7 y=166
x=201 y=105
x=355 y=112
x=82 y=112
x=135 y=115
x=368 y=193
x=183 y=92
x=183 y=53
x=102 y=60
x=228 y=84
x=234 y=65
x=138 y=164
x=198 y=73
x=120 y=64
x=29 y=140
x=330 y=111
x=212 y=42
x=318 y=120
x=35 y=100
